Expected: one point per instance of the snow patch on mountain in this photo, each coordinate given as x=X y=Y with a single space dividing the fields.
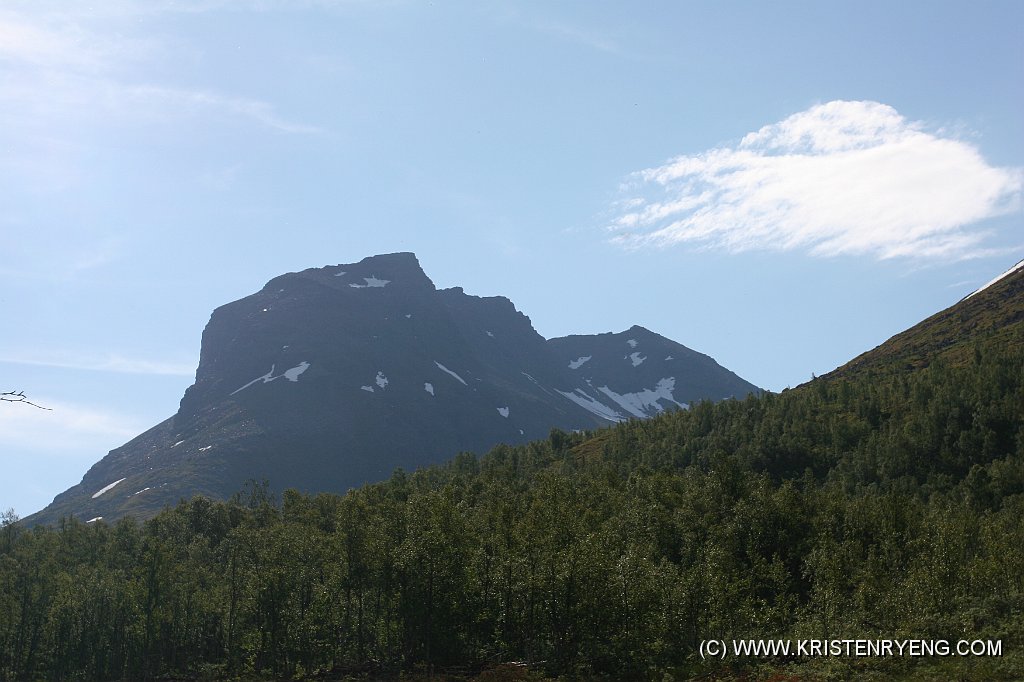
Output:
x=535 y=382
x=371 y=283
x=293 y=373
x=635 y=358
x=429 y=388
x=266 y=378
x=381 y=380
x=632 y=343
x=445 y=369
x=369 y=389
x=289 y=374
x=591 y=405
x=645 y=403
x=578 y=362
x=503 y=411
x=106 y=488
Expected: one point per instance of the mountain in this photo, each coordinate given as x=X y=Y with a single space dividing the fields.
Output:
x=888 y=499
x=335 y=376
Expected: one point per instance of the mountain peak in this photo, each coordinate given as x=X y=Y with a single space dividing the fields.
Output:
x=391 y=271
x=399 y=258
x=333 y=376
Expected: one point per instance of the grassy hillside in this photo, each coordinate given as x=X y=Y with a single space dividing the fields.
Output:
x=995 y=314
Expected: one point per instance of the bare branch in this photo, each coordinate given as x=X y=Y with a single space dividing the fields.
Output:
x=18 y=397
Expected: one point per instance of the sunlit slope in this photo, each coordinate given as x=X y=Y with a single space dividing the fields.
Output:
x=993 y=314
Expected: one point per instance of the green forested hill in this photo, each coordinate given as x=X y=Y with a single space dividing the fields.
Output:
x=880 y=503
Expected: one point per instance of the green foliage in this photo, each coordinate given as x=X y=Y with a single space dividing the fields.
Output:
x=877 y=505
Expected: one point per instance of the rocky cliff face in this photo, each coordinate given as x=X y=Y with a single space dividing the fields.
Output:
x=332 y=377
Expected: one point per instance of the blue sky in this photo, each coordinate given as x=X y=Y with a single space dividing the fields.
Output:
x=779 y=185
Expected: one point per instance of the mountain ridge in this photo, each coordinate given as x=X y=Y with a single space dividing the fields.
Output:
x=331 y=377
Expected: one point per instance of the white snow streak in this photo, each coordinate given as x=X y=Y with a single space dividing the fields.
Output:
x=592 y=406
x=1015 y=268
x=98 y=518
x=105 y=488
x=367 y=388
x=289 y=374
x=266 y=378
x=445 y=369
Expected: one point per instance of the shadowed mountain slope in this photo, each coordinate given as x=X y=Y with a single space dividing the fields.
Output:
x=332 y=377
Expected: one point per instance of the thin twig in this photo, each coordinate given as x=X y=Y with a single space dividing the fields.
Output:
x=18 y=397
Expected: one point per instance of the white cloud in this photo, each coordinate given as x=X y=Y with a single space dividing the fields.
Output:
x=840 y=178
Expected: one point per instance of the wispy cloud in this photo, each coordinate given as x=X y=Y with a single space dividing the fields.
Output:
x=220 y=179
x=570 y=32
x=840 y=178
x=198 y=101
x=106 y=363
x=580 y=36
x=199 y=6
x=20 y=41
x=65 y=427
x=59 y=65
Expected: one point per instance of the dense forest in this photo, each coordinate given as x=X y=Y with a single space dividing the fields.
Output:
x=874 y=505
